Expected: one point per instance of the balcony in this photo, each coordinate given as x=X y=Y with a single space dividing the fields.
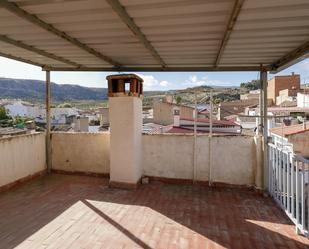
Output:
x=73 y=210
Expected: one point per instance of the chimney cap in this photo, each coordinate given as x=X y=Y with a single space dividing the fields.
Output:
x=124 y=76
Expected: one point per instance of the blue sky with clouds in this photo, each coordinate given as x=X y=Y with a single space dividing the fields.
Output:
x=152 y=81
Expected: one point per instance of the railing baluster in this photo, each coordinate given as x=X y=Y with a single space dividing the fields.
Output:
x=278 y=175
x=269 y=169
x=284 y=175
x=288 y=185
x=288 y=180
x=297 y=192
x=293 y=187
x=303 y=195
x=307 y=193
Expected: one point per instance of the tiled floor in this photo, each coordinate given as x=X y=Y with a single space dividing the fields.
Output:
x=81 y=212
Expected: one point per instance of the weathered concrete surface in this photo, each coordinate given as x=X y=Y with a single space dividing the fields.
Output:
x=21 y=156
x=168 y=156
x=81 y=152
x=233 y=158
x=233 y=161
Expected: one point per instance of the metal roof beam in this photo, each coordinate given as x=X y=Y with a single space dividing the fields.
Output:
x=231 y=23
x=157 y=69
x=122 y=13
x=16 y=58
x=13 y=8
x=291 y=58
x=22 y=45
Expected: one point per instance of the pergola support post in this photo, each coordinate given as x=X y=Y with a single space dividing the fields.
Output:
x=264 y=125
x=48 y=124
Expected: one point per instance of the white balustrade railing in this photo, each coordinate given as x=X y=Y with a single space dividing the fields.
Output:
x=288 y=185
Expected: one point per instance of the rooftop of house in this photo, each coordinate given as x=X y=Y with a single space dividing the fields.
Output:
x=82 y=212
x=184 y=130
x=287 y=109
x=290 y=130
x=207 y=121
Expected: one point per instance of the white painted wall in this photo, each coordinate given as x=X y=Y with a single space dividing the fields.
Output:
x=125 y=115
x=21 y=156
x=81 y=152
x=171 y=155
x=234 y=158
x=302 y=100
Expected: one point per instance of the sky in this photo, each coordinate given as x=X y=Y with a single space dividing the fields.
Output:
x=152 y=80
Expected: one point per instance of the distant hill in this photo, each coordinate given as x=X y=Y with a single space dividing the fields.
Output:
x=35 y=90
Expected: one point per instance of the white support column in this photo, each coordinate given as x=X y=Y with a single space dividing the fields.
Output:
x=48 y=125
x=261 y=97
x=265 y=126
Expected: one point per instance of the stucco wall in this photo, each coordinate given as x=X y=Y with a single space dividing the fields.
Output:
x=21 y=156
x=233 y=158
x=163 y=112
x=81 y=152
x=300 y=143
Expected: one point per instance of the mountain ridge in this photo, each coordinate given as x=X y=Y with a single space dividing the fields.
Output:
x=28 y=89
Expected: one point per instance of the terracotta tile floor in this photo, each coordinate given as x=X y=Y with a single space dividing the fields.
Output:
x=81 y=212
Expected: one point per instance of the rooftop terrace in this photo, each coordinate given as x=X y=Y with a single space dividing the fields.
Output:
x=82 y=212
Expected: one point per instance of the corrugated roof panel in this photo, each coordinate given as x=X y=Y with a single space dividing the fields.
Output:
x=182 y=32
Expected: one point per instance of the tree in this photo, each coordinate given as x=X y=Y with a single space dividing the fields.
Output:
x=3 y=113
x=251 y=85
x=178 y=100
x=65 y=105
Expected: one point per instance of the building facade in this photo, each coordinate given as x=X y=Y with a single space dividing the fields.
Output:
x=278 y=83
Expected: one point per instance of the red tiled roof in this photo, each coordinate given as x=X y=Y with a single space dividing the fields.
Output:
x=207 y=121
x=289 y=130
x=181 y=130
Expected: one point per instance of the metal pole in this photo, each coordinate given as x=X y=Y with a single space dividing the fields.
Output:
x=48 y=125
x=194 y=146
x=210 y=137
x=265 y=128
x=260 y=122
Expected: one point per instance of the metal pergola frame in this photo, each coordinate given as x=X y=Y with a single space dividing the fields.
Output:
x=289 y=58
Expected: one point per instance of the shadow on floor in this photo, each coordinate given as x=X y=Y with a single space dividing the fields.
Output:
x=154 y=216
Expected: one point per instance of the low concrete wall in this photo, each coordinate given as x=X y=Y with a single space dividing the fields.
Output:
x=81 y=152
x=233 y=159
x=21 y=157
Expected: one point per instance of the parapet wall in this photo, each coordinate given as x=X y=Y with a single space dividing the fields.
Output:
x=81 y=152
x=233 y=160
x=21 y=157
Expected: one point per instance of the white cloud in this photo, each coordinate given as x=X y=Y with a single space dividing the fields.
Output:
x=152 y=83
x=195 y=81
x=164 y=83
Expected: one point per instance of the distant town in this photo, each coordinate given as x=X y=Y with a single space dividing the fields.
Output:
x=229 y=111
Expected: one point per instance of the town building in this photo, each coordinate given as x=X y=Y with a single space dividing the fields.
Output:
x=104 y=116
x=234 y=107
x=282 y=82
x=163 y=112
x=294 y=138
x=303 y=100
x=253 y=94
